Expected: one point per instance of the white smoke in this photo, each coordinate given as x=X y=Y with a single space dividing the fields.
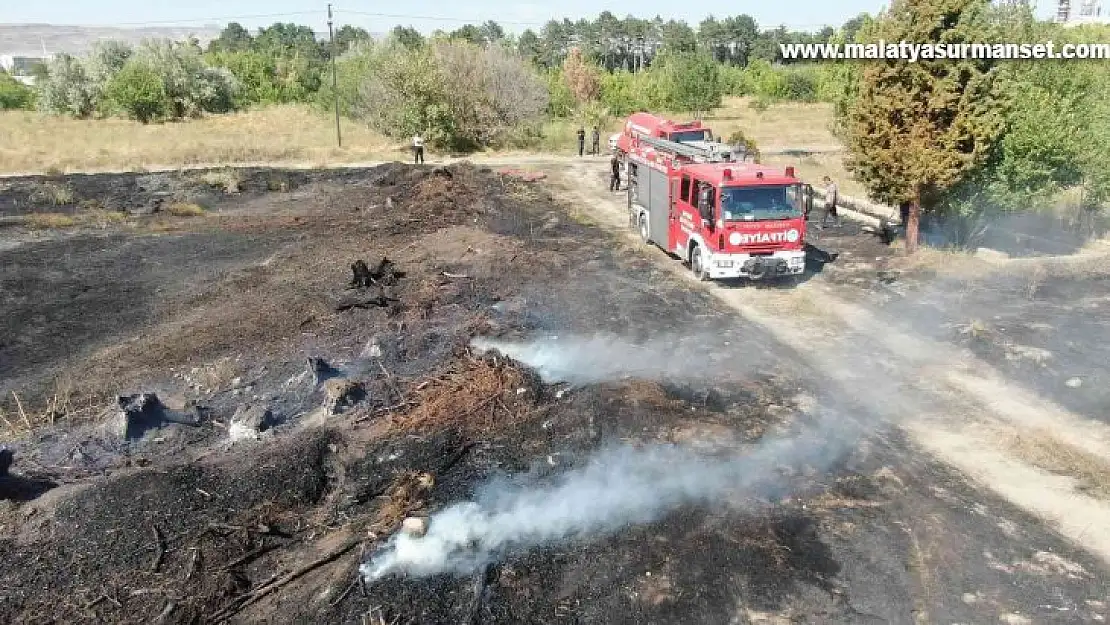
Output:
x=617 y=487
x=579 y=360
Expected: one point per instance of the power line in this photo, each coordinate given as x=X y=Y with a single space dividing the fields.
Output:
x=225 y=19
x=457 y=20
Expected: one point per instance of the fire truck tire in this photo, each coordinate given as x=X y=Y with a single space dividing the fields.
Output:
x=697 y=263
x=645 y=233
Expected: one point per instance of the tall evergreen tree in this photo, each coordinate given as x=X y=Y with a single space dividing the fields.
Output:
x=917 y=128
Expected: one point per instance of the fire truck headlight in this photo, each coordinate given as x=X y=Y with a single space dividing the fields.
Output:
x=723 y=263
x=797 y=261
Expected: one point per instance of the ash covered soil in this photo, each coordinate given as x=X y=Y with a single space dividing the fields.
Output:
x=1042 y=322
x=214 y=313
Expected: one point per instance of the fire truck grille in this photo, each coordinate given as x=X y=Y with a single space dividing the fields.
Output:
x=760 y=267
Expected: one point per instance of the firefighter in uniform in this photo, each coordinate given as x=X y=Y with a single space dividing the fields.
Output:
x=595 y=138
x=615 y=175
x=581 y=140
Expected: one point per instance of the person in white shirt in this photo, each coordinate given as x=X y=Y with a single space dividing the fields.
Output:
x=418 y=149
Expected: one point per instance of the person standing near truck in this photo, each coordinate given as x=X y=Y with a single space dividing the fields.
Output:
x=418 y=149
x=831 y=198
x=615 y=175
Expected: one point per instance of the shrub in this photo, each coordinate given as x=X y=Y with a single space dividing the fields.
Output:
x=14 y=94
x=186 y=209
x=139 y=92
x=624 y=93
x=228 y=180
x=582 y=77
x=52 y=194
x=689 y=81
x=191 y=86
x=66 y=89
x=560 y=102
x=81 y=87
x=458 y=95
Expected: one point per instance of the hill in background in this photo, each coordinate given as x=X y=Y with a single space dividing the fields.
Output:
x=30 y=39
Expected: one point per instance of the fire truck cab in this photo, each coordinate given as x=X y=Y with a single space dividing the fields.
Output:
x=725 y=219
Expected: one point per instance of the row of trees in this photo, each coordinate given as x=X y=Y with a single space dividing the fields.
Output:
x=633 y=43
x=952 y=138
x=286 y=63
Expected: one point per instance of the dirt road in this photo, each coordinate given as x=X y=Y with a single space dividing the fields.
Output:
x=955 y=405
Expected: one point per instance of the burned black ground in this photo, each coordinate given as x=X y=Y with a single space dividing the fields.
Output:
x=182 y=526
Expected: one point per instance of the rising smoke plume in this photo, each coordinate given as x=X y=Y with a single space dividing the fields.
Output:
x=616 y=487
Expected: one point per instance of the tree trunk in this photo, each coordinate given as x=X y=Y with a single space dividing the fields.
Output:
x=912 y=225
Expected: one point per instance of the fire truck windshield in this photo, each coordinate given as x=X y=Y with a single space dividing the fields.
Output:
x=687 y=136
x=758 y=203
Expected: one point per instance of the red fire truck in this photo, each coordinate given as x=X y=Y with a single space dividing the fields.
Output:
x=646 y=125
x=725 y=219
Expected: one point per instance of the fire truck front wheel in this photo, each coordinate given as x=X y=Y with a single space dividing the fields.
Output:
x=697 y=263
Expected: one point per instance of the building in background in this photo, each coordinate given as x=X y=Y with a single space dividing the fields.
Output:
x=21 y=67
x=1081 y=12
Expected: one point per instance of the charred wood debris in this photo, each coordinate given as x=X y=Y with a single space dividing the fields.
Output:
x=384 y=276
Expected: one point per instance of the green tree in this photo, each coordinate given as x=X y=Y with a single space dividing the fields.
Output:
x=690 y=82
x=916 y=129
x=468 y=33
x=491 y=32
x=138 y=91
x=407 y=36
x=257 y=77
x=348 y=35
x=528 y=46
x=233 y=38
x=678 y=37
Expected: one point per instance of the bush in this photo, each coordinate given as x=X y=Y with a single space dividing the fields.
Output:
x=799 y=84
x=458 y=95
x=560 y=102
x=66 y=89
x=138 y=92
x=583 y=78
x=689 y=81
x=14 y=94
x=624 y=93
x=257 y=76
x=80 y=87
x=192 y=87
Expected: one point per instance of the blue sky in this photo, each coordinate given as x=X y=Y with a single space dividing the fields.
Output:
x=799 y=14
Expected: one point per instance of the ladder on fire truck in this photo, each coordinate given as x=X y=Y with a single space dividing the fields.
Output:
x=692 y=152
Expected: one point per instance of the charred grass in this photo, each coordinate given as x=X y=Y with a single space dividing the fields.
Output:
x=194 y=531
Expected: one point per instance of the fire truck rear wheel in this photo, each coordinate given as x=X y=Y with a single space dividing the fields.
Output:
x=645 y=234
x=697 y=263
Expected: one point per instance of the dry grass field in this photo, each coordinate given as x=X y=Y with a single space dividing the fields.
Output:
x=34 y=143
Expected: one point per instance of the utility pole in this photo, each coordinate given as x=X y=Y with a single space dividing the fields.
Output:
x=334 y=79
